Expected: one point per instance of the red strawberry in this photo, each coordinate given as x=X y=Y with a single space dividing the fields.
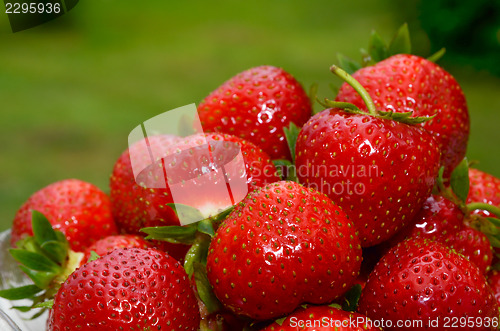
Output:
x=484 y=188
x=323 y=318
x=256 y=105
x=442 y=220
x=282 y=246
x=107 y=244
x=78 y=209
x=405 y=83
x=126 y=289
x=436 y=220
x=422 y=280
x=136 y=206
x=377 y=169
x=494 y=281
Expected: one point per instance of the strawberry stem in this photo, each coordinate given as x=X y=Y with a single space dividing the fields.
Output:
x=370 y=105
x=436 y=56
x=483 y=206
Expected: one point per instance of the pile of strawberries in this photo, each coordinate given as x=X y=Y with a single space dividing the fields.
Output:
x=361 y=216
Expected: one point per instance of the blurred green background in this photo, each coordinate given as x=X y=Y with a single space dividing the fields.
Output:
x=72 y=89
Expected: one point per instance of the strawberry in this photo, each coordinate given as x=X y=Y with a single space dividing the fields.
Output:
x=422 y=281
x=282 y=246
x=438 y=218
x=484 y=188
x=107 y=244
x=256 y=105
x=494 y=281
x=378 y=167
x=322 y=318
x=136 y=206
x=79 y=209
x=126 y=289
x=405 y=83
x=442 y=220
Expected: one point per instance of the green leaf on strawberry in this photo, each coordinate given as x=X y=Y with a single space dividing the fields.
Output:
x=400 y=43
x=348 y=64
x=186 y=234
x=459 y=180
x=186 y=213
x=346 y=106
x=93 y=256
x=493 y=220
x=291 y=134
x=351 y=298
x=406 y=117
x=280 y=321
x=19 y=293
x=197 y=253
x=204 y=288
x=35 y=261
x=205 y=226
x=280 y=165
x=173 y=234
x=46 y=259
x=377 y=48
x=437 y=56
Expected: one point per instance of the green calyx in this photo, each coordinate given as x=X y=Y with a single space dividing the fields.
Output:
x=204 y=289
x=177 y=234
x=406 y=117
x=490 y=226
x=379 y=50
x=291 y=135
x=458 y=188
x=47 y=260
x=351 y=298
x=458 y=191
x=285 y=168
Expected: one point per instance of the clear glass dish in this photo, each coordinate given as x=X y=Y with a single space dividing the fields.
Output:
x=10 y=276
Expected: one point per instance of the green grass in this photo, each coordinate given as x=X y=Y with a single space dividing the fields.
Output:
x=71 y=90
